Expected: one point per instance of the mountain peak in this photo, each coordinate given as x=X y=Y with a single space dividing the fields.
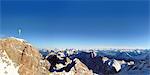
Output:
x=26 y=57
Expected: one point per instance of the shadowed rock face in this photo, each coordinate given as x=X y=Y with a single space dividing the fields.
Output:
x=95 y=63
x=63 y=65
x=86 y=60
x=27 y=58
x=74 y=68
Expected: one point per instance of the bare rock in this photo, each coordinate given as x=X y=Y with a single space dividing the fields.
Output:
x=78 y=69
x=81 y=69
x=25 y=56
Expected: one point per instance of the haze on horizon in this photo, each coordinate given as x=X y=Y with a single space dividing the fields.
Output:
x=78 y=24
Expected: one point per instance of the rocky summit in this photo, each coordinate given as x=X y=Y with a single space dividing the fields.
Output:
x=18 y=57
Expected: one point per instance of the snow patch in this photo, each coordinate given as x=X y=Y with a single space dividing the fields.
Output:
x=116 y=65
x=7 y=67
x=21 y=40
x=131 y=63
x=105 y=59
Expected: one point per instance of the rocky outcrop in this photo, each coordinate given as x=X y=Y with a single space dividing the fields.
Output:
x=27 y=58
x=64 y=65
x=81 y=62
x=80 y=68
x=77 y=69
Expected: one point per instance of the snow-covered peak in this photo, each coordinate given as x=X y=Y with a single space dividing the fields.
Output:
x=18 y=39
x=21 y=40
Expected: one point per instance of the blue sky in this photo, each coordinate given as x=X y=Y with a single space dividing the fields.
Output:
x=78 y=24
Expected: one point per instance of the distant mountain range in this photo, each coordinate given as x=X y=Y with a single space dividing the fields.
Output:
x=18 y=57
x=108 y=62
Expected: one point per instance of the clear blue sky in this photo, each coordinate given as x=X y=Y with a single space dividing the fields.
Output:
x=78 y=24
